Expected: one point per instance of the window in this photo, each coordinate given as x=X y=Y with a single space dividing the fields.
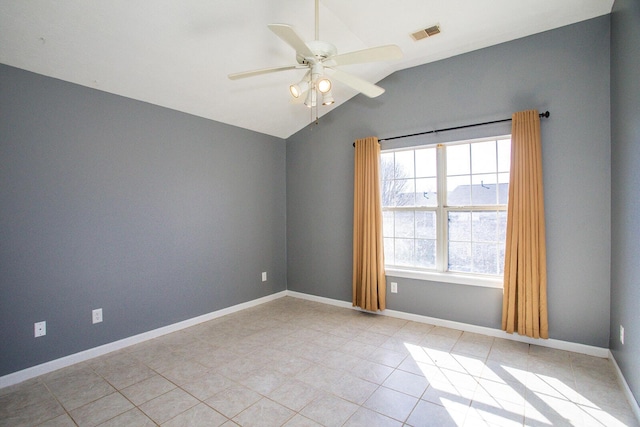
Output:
x=445 y=209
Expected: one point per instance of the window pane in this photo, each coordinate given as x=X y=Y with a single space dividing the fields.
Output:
x=484 y=190
x=388 y=194
x=387 y=223
x=504 y=155
x=404 y=224
x=399 y=192
x=503 y=188
x=405 y=192
x=426 y=253
x=502 y=226
x=460 y=257
x=485 y=258
x=426 y=225
x=404 y=251
x=389 y=257
x=404 y=164
x=387 y=166
x=426 y=163
x=458 y=160
x=485 y=226
x=460 y=226
x=483 y=157
x=387 y=177
x=459 y=191
x=426 y=192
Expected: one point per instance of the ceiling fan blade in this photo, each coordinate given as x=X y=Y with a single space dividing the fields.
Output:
x=363 y=86
x=380 y=53
x=244 y=74
x=289 y=36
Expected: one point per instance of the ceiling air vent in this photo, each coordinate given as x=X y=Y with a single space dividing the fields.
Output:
x=427 y=32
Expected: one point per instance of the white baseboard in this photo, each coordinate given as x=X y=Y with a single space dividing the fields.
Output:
x=497 y=333
x=328 y=301
x=34 y=371
x=63 y=362
x=625 y=388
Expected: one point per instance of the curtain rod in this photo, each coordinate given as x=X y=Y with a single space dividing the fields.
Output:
x=542 y=115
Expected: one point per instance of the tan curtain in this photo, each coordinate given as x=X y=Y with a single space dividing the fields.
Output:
x=524 y=306
x=369 y=284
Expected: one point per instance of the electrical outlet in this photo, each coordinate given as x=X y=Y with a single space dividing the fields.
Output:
x=96 y=315
x=621 y=334
x=394 y=288
x=40 y=329
x=264 y=276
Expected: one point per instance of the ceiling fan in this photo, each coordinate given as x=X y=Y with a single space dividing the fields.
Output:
x=320 y=58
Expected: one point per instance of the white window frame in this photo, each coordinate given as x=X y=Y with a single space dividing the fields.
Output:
x=441 y=273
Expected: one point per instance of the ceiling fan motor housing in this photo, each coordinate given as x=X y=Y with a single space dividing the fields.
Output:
x=321 y=50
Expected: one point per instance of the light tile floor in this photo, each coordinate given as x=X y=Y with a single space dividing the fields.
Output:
x=293 y=362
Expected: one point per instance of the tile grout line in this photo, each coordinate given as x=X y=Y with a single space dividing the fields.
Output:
x=318 y=327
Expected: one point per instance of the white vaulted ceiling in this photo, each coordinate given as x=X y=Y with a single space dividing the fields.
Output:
x=178 y=53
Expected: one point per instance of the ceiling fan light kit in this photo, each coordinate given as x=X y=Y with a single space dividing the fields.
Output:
x=323 y=84
x=320 y=58
x=299 y=88
x=312 y=97
x=327 y=98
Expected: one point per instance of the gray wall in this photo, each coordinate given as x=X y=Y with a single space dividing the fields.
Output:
x=153 y=215
x=625 y=181
x=157 y=216
x=565 y=71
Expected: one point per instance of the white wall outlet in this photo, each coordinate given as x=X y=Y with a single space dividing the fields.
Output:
x=394 y=288
x=40 y=329
x=264 y=276
x=621 y=334
x=96 y=315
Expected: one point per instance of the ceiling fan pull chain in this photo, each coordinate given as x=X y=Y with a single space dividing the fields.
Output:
x=315 y=105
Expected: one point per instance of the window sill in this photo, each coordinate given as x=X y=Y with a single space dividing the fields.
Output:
x=460 y=279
